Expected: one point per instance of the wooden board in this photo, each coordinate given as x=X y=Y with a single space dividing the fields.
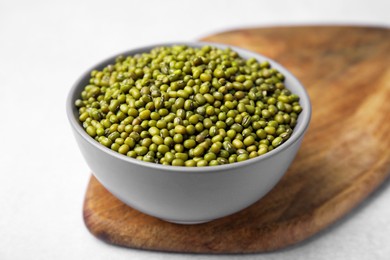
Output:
x=344 y=157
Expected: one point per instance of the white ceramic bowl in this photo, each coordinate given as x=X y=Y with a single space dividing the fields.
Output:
x=188 y=195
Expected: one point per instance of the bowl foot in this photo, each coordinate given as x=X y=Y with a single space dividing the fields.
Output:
x=187 y=222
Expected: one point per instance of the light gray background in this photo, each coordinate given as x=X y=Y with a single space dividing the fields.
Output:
x=46 y=45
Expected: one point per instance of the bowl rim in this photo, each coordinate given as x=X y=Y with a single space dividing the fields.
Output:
x=299 y=130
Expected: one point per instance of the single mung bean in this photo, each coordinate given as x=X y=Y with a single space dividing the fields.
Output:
x=237 y=144
x=202 y=163
x=199 y=151
x=277 y=141
x=190 y=163
x=123 y=149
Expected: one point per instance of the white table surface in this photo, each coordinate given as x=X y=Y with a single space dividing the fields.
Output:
x=44 y=47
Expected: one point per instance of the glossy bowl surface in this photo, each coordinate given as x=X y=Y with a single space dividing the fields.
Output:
x=188 y=195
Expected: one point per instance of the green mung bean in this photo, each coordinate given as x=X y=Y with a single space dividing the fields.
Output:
x=185 y=106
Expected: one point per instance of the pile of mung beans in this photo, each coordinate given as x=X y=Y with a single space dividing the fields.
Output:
x=184 y=106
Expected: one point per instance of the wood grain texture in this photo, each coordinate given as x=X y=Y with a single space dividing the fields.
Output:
x=344 y=157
